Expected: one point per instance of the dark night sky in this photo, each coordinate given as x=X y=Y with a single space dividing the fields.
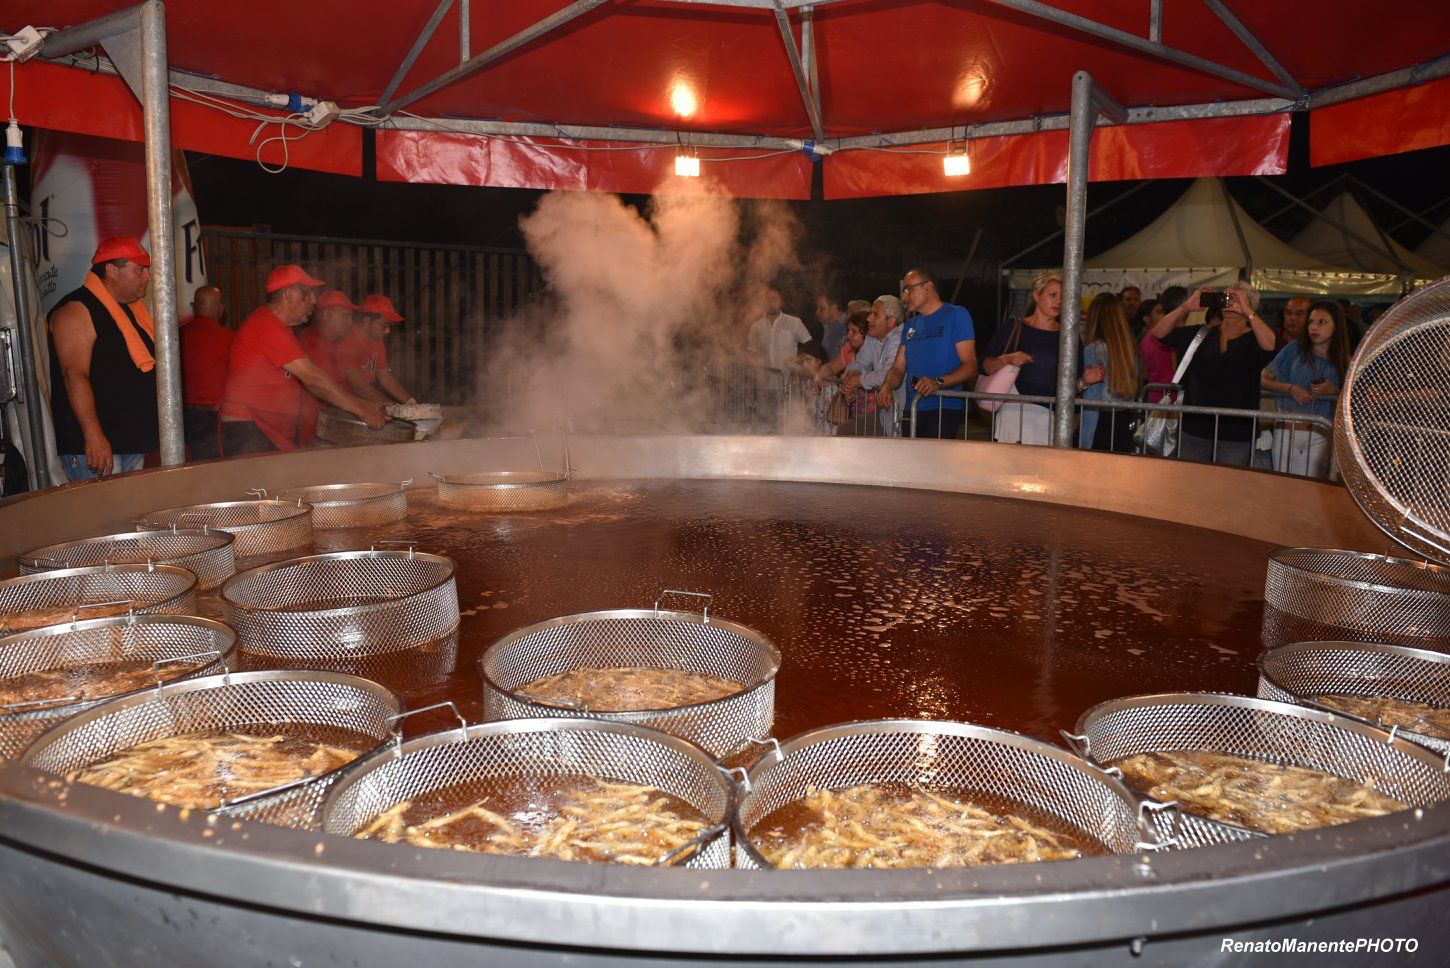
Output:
x=864 y=242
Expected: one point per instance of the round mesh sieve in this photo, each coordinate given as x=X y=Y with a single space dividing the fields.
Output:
x=1356 y=590
x=145 y=638
x=1303 y=670
x=1260 y=729
x=260 y=527
x=1392 y=432
x=225 y=703
x=66 y=594
x=205 y=553
x=351 y=505
x=339 y=427
x=526 y=748
x=503 y=490
x=643 y=638
x=940 y=754
x=343 y=605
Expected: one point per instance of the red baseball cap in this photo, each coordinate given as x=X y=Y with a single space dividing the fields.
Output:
x=380 y=305
x=334 y=299
x=290 y=275
x=121 y=247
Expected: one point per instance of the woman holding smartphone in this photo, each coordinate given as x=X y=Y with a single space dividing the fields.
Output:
x=1308 y=372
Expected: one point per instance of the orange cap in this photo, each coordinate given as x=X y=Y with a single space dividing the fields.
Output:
x=121 y=247
x=290 y=275
x=380 y=305
x=334 y=299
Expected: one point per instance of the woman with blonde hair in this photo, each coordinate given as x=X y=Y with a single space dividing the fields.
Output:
x=1111 y=371
x=1031 y=344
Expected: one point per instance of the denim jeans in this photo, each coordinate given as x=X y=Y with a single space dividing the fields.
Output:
x=76 y=469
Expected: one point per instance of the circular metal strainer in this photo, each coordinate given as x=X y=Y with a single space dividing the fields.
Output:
x=351 y=505
x=1356 y=590
x=1392 y=432
x=162 y=640
x=203 y=552
x=68 y=594
x=260 y=527
x=340 y=427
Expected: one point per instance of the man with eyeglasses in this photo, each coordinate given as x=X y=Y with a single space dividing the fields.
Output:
x=938 y=351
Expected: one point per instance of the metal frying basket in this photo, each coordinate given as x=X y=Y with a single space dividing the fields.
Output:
x=343 y=605
x=942 y=754
x=260 y=527
x=1260 y=729
x=220 y=704
x=136 y=588
x=351 y=505
x=159 y=639
x=648 y=638
x=340 y=427
x=527 y=748
x=1392 y=435
x=1355 y=590
x=203 y=552
x=505 y=491
x=1298 y=672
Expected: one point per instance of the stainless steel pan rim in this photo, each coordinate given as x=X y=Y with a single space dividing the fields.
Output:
x=228 y=589
x=1272 y=685
x=1279 y=557
x=579 y=618
x=464 y=733
x=777 y=753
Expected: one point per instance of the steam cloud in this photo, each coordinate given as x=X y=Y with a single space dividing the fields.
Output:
x=635 y=307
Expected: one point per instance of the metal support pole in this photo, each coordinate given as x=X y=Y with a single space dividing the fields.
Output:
x=35 y=454
x=156 y=111
x=1088 y=100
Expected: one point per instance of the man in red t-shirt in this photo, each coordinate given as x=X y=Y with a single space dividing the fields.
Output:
x=364 y=358
x=268 y=372
x=331 y=321
x=206 y=343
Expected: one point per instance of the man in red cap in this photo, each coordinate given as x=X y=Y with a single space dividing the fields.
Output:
x=331 y=321
x=268 y=372
x=206 y=343
x=103 y=366
x=364 y=358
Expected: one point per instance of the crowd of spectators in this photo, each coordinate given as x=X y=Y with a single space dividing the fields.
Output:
x=873 y=358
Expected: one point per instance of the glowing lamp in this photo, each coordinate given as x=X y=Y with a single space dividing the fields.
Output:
x=687 y=165
x=956 y=161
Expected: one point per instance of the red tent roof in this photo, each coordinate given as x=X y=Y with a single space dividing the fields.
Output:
x=693 y=68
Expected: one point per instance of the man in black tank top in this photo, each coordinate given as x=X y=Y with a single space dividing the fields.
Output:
x=102 y=366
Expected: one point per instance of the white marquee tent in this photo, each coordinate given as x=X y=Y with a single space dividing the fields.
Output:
x=1436 y=248
x=1323 y=240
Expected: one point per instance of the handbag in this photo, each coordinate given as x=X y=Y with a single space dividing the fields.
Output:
x=1159 y=433
x=1005 y=379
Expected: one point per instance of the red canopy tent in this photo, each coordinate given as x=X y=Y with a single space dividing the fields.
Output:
x=605 y=94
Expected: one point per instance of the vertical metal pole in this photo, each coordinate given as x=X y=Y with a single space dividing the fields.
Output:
x=156 y=109
x=36 y=456
x=1081 y=120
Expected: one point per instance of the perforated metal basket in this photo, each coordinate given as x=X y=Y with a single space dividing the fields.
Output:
x=1259 y=729
x=351 y=505
x=505 y=491
x=343 y=605
x=68 y=594
x=159 y=639
x=340 y=427
x=203 y=552
x=530 y=748
x=1355 y=590
x=1303 y=670
x=942 y=754
x=1392 y=432
x=260 y=527
x=645 y=638
x=221 y=704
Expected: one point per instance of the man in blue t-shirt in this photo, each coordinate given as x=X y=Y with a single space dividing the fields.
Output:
x=938 y=351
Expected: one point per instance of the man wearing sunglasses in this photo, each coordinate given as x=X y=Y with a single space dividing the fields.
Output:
x=938 y=351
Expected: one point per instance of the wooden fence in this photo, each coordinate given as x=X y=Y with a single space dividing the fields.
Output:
x=450 y=296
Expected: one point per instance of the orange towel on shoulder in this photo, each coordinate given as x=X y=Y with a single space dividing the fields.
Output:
x=140 y=355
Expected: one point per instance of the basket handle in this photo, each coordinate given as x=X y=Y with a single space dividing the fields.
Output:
x=260 y=493
x=407 y=483
x=580 y=706
x=264 y=794
x=16 y=707
x=51 y=561
x=392 y=722
x=212 y=654
x=1146 y=807
x=705 y=614
x=1078 y=743
x=699 y=840
x=130 y=604
x=402 y=541
x=771 y=744
x=739 y=776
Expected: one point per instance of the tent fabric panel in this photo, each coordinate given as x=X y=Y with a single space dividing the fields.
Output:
x=1408 y=119
x=1170 y=149
x=462 y=159
x=1436 y=248
x=64 y=99
x=1269 y=282
x=1329 y=243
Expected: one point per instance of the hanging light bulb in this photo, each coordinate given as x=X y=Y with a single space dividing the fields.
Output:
x=687 y=163
x=956 y=161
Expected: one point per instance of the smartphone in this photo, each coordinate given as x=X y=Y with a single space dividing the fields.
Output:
x=1213 y=299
